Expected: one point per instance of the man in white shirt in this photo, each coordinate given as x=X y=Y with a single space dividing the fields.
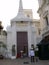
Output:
x=32 y=54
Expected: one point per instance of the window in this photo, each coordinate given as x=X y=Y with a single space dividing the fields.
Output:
x=21 y=21
x=46 y=20
x=39 y=31
x=47 y=1
x=28 y=16
x=0 y=32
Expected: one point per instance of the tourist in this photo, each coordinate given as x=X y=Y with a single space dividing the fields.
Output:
x=32 y=54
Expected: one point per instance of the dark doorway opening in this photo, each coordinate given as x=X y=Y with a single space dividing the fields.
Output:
x=43 y=47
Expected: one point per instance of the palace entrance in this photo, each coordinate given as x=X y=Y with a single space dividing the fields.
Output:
x=22 y=43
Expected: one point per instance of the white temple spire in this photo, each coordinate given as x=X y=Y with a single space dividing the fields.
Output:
x=20 y=6
x=21 y=16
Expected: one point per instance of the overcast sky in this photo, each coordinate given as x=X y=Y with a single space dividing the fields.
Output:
x=9 y=9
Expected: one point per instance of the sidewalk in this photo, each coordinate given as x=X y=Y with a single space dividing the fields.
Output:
x=23 y=61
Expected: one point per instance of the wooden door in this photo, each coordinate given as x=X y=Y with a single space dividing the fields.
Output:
x=22 y=42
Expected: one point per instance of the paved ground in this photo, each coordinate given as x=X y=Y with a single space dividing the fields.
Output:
x=21 y=62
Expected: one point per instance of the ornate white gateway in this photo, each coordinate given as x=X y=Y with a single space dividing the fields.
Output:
x=21 y=34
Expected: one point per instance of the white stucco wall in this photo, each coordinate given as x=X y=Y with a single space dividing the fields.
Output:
x=12 y=34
